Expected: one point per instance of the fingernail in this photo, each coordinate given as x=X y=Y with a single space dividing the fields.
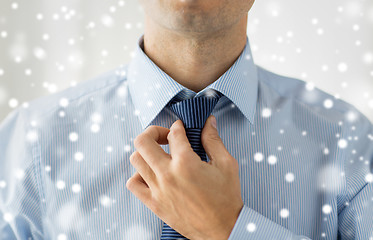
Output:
x=213 y=121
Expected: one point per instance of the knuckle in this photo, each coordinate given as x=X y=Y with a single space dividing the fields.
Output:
x=184 y=153
x=182 y=160
x=129 y=183
x=210 y=137
x=176 y=131
x=169 y=135
x=214 y=137
x=151 y=128
x=183 y=167
x=139 y=140
x=178 y=166
x=134 y=156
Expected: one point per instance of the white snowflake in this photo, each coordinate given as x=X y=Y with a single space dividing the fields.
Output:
x=258 y=156
x=127 y=148
x=105 y=201
x=64 y=102
x=342 y=143
x=284 y=213
x=76 y=187
x=326 y=209
x=369 y=178
x=78 y=156
x=19 y=173
x=13 y=103
x=73 y=136
x=342 y=67
x=95 y=128
x=328 y=103
x=8 y=217
x=2 y=184
x=272 y=159
x=60 y=184
x=107 y=20
x=289 y=177
x=47 y=168
x=109 y=149
x=251 y=227
x=96 y=117
x=266 y=112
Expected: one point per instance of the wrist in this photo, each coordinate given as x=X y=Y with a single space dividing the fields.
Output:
x=227 y=227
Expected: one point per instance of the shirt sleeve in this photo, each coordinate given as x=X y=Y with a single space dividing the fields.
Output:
x=355 y=219
x=20 y=207
x=253 y=225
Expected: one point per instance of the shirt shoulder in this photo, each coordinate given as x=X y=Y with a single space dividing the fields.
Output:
x=97 y=85
x=311 y=98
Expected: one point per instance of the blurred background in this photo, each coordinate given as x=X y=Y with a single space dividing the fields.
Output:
x=47 y=46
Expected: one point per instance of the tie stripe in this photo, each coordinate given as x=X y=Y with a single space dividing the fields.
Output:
x=193 y=112
x=194 y=137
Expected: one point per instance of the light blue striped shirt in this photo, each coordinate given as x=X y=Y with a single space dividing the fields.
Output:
x=305 y=157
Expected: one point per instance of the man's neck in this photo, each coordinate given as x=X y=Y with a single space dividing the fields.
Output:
x=194 y=60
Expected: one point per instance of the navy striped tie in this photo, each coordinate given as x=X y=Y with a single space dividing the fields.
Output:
x=193 y=112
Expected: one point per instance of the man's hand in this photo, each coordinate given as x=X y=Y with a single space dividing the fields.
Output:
x=199 y=200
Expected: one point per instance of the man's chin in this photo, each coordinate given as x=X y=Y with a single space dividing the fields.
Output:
x=192 y=5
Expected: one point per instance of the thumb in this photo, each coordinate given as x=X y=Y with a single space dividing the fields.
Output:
x=213 y=144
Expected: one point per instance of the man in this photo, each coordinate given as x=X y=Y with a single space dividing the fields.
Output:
x=110 y=159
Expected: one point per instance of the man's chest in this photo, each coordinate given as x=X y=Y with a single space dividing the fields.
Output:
x=287 y=174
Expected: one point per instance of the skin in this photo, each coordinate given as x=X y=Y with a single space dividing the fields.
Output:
x=194 y=42
x=200 y=200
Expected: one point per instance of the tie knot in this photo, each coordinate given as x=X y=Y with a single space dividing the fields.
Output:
x=193 y=112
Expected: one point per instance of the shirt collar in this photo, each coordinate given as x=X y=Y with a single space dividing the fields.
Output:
x=151 y=88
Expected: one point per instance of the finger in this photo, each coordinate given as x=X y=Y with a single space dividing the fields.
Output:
x=143 y=168
x=159 y=135
x=147 y=144
x=178 y=141
x=213 y=144
x=138 y=187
